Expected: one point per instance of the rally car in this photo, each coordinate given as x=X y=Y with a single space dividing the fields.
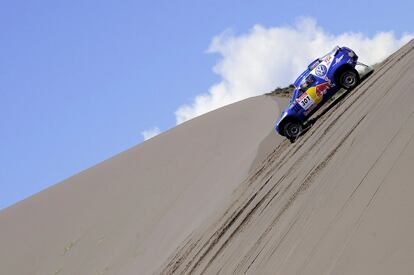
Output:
x=316 y=85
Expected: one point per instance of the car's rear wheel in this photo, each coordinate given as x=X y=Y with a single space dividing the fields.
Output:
x=292 y=130
x=349 y=79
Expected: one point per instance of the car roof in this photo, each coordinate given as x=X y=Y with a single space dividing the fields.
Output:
x=307 y=71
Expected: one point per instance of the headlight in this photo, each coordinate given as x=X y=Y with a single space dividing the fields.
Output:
x=351 y=54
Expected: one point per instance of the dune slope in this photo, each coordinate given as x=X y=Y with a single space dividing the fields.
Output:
x=338 y=201
x=132 y=211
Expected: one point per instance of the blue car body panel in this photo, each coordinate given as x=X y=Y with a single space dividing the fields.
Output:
x=320 y=85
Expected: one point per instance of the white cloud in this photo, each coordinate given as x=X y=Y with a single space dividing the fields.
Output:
x=150 y=133
x=264 y=58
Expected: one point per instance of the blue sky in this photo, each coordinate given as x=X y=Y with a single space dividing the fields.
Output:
x=80 y=80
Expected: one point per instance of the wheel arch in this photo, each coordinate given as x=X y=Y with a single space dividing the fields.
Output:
x=341 y=69
x=286 y=120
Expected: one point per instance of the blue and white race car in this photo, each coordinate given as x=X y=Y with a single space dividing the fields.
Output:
x=321 y=80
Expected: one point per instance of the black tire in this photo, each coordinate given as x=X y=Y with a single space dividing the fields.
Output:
x=348 y=79
x=292 y=130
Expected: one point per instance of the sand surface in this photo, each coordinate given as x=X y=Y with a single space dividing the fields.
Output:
x=338 y=201
x=132 y=211
x=224 y=194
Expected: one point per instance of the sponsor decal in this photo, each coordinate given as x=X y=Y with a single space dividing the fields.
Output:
x=338 y=59
x=321 y=70
x=322 y=88
x=305 y=101
x=313 y=96
x=328 y=58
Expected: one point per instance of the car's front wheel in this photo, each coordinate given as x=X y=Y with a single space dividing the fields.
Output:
x=292 y=130
x=348 y=79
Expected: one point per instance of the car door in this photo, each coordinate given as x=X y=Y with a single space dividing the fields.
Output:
x=313 y=97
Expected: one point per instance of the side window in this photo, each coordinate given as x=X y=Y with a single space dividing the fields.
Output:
x=314 y=64
x=307 y=82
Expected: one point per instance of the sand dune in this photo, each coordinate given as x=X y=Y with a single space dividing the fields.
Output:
x=133 y=210
x=338 y=201
x=224 y=194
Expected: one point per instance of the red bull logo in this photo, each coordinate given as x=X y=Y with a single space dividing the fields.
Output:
x=321 y=88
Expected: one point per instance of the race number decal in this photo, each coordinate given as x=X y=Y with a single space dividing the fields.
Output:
x=305 y=101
